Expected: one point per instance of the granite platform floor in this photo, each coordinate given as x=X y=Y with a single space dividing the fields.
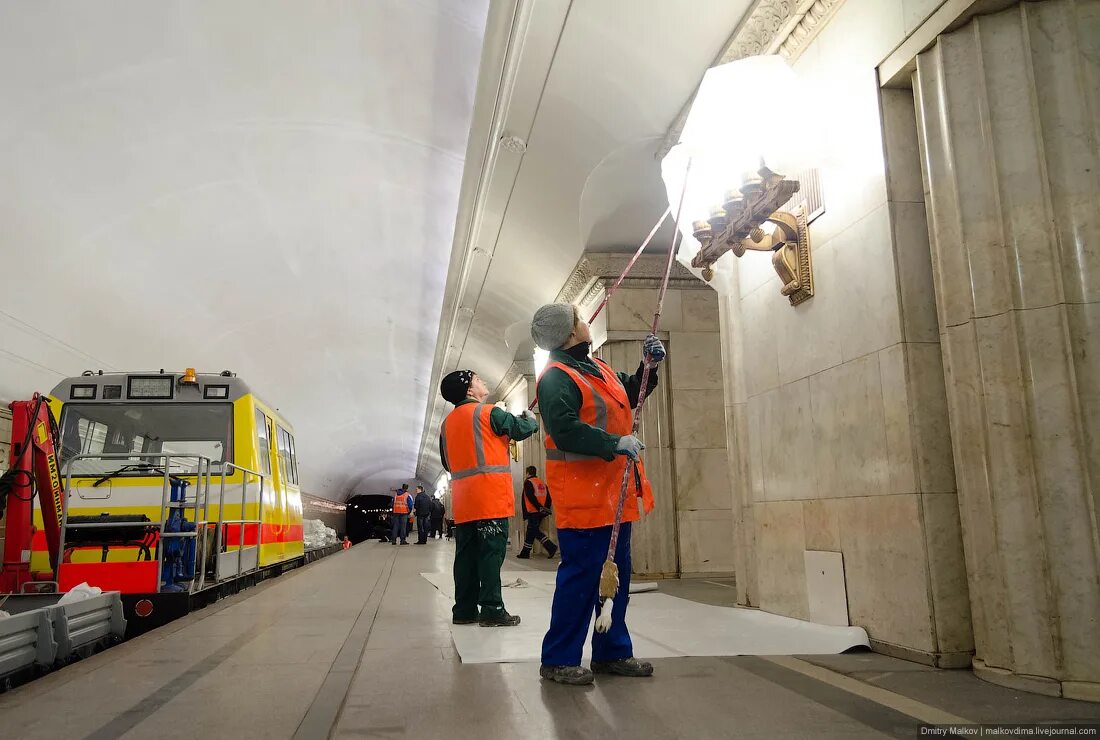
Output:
x=357 y=645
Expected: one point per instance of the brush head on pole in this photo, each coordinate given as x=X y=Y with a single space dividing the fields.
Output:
x=609 y=579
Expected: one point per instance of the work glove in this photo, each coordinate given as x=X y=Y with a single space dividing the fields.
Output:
x=630 y=446
x=529 y=415
x=654 y=348
x=544 y=511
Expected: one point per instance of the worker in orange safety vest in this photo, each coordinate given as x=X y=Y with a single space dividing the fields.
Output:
x=399 y=517
x=586 y=412
x=536 y=508
x=473 y=446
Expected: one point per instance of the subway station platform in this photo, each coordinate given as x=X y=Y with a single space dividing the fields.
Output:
x=358 y=645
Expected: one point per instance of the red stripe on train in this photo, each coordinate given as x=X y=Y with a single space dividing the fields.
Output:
x=273 y=534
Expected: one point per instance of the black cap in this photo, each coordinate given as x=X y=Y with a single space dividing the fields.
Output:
x=454 y=386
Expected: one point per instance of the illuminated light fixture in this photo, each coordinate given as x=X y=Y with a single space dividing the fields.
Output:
x=743 y=130
x=188 y=377
x=216 y=391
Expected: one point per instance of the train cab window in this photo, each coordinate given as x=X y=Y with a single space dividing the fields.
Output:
x=189 y=430
x=264 y=440
x=293 y=457
x=280 y=446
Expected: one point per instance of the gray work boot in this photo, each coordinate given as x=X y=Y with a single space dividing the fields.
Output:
x=624 y=667
x=571 y=675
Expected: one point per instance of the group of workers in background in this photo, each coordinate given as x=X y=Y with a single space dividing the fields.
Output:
x=427 y=510
x=586 y=409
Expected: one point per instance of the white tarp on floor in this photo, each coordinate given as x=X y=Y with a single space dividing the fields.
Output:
x=661 y=626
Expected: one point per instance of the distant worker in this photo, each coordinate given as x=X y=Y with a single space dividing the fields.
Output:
x=423 y=505
x=586 y=408
x=346 y=543
x=536 y=509
x=438 y=512
x=473 y=446
x=399 y=517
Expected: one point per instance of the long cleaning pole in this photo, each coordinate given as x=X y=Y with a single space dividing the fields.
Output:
x=609 y=578
x=622 y=276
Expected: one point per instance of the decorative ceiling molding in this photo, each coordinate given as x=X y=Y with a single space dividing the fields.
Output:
x=597 y=270
x=784 y=27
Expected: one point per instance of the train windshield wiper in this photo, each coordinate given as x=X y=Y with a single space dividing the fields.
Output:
x=131 y=468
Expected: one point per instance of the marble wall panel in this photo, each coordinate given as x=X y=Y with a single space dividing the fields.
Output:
x=868 y=303
x=759 y=419
x=1013 y=194
x=742 y=496
x=694 y=360
x=931 y=430
x=706 y=541
x=886 y=568
x=631 y=309
x=1067 y=94
x=900 y=443
x=698 y=419
x=821 y=519
x=787 y=442
x=899 y=128
x=1084 y=328
x=1065 y=503
x=700 y=310
x=702 y=479
x=919 y=322
x=849 y=431
x=947 y=572
x=988 y=598
x=761 y=343
x=807 y=335
x=780 y=543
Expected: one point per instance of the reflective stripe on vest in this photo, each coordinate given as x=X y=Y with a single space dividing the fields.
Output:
x=481 y=471
x=586 y=487
x=479 y=451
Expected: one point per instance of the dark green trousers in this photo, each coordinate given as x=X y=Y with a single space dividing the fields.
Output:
x=480 y=548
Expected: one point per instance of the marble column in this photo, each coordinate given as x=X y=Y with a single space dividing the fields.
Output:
x=1007 y=112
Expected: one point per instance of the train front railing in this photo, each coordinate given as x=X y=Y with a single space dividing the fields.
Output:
x=224 y=561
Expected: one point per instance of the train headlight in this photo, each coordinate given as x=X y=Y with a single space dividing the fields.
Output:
x=82 y=392
x=216 y=391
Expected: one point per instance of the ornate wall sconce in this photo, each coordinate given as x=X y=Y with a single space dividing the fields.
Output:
x=737 y=226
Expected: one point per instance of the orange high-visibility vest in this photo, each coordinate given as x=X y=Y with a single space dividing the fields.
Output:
x=401 y=503
x=481 y=471
x=540 y=495
x=586 y=488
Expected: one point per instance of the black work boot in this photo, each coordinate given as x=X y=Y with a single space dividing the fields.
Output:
x=525 y=553
x=551 y=549
x=571 y=675
x=464 y=620
x=624 y=667
x=500 y=619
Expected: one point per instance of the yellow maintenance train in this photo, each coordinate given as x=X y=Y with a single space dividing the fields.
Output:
x=179 y=487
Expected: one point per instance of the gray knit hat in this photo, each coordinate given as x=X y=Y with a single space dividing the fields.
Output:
x=552 y=325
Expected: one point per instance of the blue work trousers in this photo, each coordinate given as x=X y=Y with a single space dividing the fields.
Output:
x=400 y=528
x=577 y=596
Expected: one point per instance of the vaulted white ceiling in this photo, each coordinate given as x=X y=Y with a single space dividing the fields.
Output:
x=591 y=87
x=268 y=186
